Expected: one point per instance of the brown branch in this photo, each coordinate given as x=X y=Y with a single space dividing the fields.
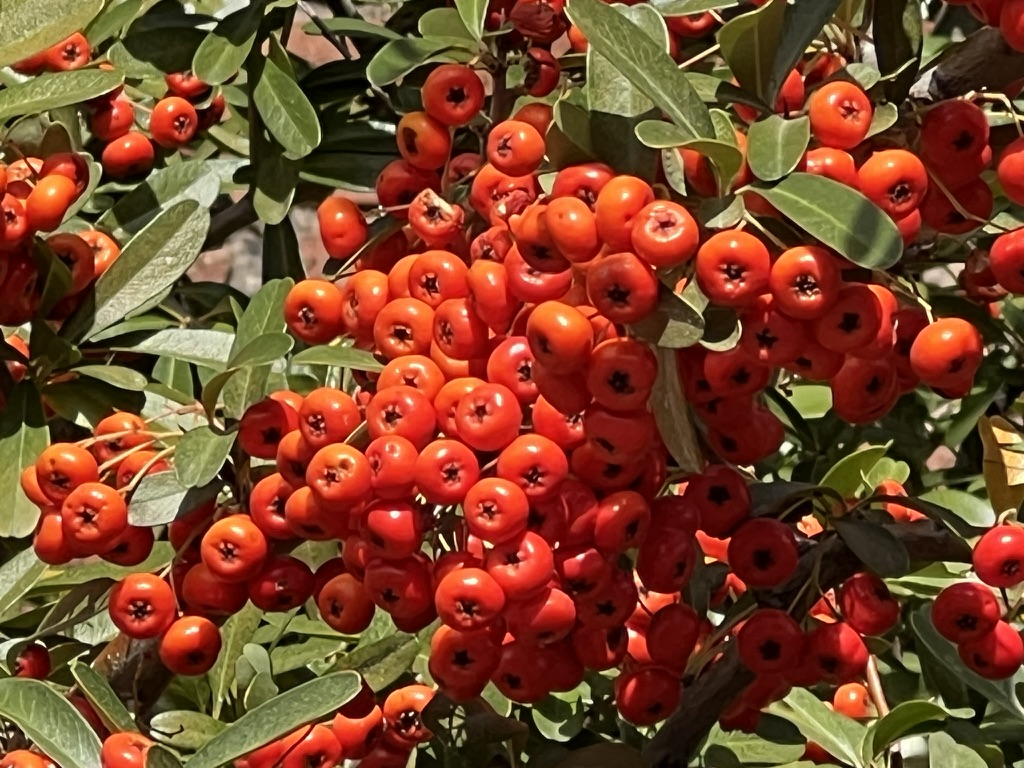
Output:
x=708 y=696
x=982 y=62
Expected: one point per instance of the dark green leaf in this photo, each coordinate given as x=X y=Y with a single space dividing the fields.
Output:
x=558 y=720
x=382 y=662
x=344 y=170
x=54 y=90
x=256 y=354
x=185 y=730
x=803 y=22
x=838 y=216
x=672 y=414
x=721 y=212
x=773 y=744
x=236 y=632
x=149 y=264
x=159 y=757
x=339 y=357
x=223 y=51
x=901 y=720
x=644 y=63
x=300 y=705
x=898 y=36
x=160 y=498
x=30 y=26
x=1002 y=693
x=283 y=106
x=775 y=146
x=85 y=401
x=200 y=455
x=281 y=257
x=276 y=177
x=23 y=436
x=674 y=324
x=153 y=53
x=50 y=721
x=116 y=375
x=838 y=734
x=874 y=546
x=608 y=754
x=352 y=28
x=102 y=697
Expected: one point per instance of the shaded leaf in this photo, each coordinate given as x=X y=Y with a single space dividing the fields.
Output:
x=400 y=57
x=898 y=38
x=838 y=734
x=17 y=576
x=298 y=706
x=223 y=51
x=283 y=106
x=838 y=216
x=874 y=546
x=382 y=662
x=672 y=415
x=276 y=177
x=974 y=511
x=903 y=718
x=847 y=475
x=281 y=257
x=352 y=28
x=236 y=632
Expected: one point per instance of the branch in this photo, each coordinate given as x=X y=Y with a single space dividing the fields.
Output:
x=236 y=216
x=710 y=694
x=981 y=62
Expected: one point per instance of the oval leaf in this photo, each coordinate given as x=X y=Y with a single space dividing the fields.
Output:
x=338 y=357
x=54 y=90
x=160 y=498
x=23 y=436
x=222 y=53
x=874 y=546
x=283 y=106
x=302 y=704
x=839 y=735
x=150 y=264
x=775 y=146
x=102 y=697
x=838 y=216
x=200 y=455
x=51 y=721
x=644 y=63
x=672 y=415
x=29 y=26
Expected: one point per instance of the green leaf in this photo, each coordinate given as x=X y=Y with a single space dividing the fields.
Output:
x=263 y=320
x=763 y=46
x=672 y=415
x=400 y=57
x=775 y=146
x=23 y=436
x=1002 y=693
x=884 y=117
x=222 y=53
x=17 y=576
x=198 y=180
x=102 y=697
x=972 y=510
x=200 y=455
x=258 y=353
x=160 y=498
x=874 y=546
x=276 y=177
x=50 y=721
x=200 y=346
x=902 y=719
x=54 y=90
x=472 y=13
x=77 y=572
x=608 y=90
x=644 y=63
x=338 y=357
x=898 y=38
x=153 y=53
x=675 y=323
x=183 y=729
x=159 y=757
x=775 y=742
x=114 y=18
x=558 y=720
x=382 y=662
x=149 y=264
x=281 y=257
x=283 y=106
x=945 y=752
x=352 y=28
x=236 y=632
x=116 y=375
x=29 y=26
x=839 y=735
x=847 y=475
x=838 y=216
x=607 y=754
x=686 y=7
x=444 y=22
x=300 y=705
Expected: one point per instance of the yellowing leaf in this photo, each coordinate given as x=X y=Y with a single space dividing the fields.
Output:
x=1003 y=470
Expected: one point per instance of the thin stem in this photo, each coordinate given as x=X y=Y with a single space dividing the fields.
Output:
x=760 y=228
x=875 y=687
x=702 y=55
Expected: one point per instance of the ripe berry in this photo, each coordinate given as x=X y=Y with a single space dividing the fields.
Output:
x=965 y=611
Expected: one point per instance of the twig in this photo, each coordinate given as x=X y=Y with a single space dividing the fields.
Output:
x=875 y=687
